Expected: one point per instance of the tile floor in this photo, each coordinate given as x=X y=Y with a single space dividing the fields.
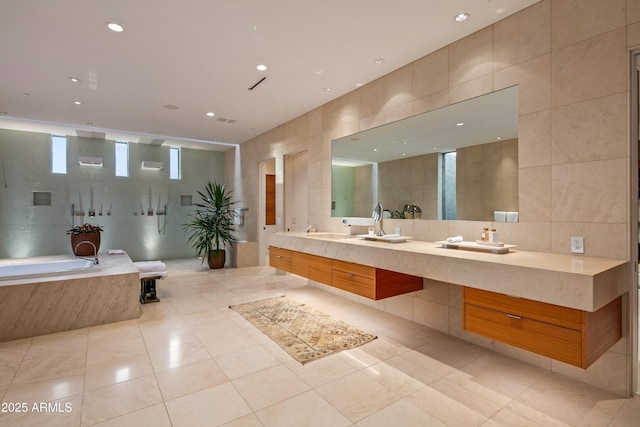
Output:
x=191 y=361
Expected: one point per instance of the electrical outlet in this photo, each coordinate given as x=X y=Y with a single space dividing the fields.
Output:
x=577 y=245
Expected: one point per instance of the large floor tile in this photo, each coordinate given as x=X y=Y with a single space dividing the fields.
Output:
x=269 y=387
x=563 y=399
x=155 y=416
x=246 y=361
x=308 y=410
x=357 y=396
x=115 y=400
x=45 y=389
x=48 y=365
x=213 y=406
x=178 y=355
x=446 y=409
x=401 y=413
x=190 y=378
x=116 y=371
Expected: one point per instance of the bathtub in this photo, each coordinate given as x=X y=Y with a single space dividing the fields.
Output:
x=49 y=294
x=28 y=270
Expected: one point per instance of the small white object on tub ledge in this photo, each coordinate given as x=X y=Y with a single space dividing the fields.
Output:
x=454 y=239
x=115 y=252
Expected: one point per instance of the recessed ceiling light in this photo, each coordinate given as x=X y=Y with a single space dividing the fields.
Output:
x=318 y=72
x=210 y=114
x=378 y=61
x=261 y=67
x=460 y=124
x=375 y=149
x=435 y=148
x=461 y=17
x=77 y=102
x=326 y=89
x=116 y=28
x=74 y=79
x=499 y=138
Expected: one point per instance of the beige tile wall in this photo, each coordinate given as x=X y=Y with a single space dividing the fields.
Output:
x=571 y=69
x=570 y=59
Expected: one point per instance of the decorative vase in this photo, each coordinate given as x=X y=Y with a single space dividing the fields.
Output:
x=216 y=259
x=85 y=244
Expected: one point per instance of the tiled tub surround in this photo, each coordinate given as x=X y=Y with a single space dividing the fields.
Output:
x=583 y=283
x=43 y=305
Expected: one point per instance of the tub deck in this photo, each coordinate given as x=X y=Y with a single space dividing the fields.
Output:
x=43 y=305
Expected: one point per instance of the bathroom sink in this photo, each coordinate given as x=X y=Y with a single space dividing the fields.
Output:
x=330 y=236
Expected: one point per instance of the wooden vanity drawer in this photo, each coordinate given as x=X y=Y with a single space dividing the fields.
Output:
x=280 y=258
x=543 y=312
x=313 y=267
x=356 y=269
x=573 y=336
x=543 y=338
x=355 y=283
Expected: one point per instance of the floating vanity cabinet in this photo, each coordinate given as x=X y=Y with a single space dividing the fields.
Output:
x=566 y=334
x=371 y=282
x=313 y=267
x=280 y=258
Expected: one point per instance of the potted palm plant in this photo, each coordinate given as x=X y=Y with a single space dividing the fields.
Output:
x=211 y=228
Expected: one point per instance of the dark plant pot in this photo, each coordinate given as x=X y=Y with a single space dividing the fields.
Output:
x=85 y=249
x=216 y=259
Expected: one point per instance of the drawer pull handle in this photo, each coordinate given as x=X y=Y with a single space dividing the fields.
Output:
x=513 y=316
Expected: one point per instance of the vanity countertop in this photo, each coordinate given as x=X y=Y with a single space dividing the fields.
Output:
x=584 y=283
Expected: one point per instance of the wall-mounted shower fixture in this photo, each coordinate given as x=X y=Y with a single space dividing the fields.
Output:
x=76 y=212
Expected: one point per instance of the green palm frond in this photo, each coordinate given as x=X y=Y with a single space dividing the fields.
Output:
x=212 y=225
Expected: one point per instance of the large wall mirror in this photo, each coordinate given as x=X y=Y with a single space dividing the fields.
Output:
x=456 y=162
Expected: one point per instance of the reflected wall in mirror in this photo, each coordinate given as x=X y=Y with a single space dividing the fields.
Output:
x=456 y=162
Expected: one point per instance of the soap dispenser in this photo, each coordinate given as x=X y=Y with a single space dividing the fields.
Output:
x=493 y=236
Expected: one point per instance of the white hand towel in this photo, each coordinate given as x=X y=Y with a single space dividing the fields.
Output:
x=455 y=239
x=512 y=216
x=146 y=266
x=499 y=216
x=147 y=274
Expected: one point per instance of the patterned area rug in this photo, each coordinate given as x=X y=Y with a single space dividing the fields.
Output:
x=306 y=334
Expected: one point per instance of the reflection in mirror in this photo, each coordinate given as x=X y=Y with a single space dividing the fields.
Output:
x=456 y=162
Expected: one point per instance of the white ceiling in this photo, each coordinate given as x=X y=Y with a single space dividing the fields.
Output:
x=200 y=55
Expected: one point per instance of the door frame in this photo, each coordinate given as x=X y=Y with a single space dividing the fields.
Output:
x=263 y=229
x=634 y=315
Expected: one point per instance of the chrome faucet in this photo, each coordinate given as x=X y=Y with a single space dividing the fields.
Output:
x=378 y=214
x=95 y=252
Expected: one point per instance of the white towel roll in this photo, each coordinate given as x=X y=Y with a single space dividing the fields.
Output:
x=147 y=266
x=455 y=239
